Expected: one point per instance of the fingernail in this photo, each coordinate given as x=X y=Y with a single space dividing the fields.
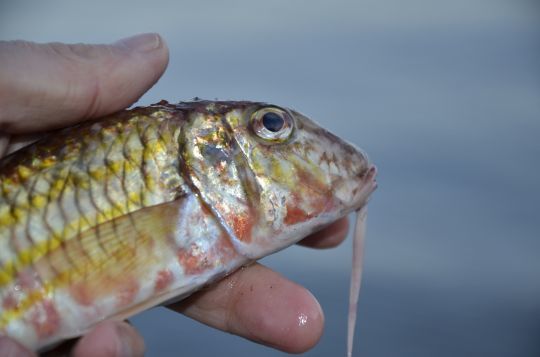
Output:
x=9 y=348
x=130 y=342
x=145 y=42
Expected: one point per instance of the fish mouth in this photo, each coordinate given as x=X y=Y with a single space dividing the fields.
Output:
x=368 y=170
x=367 y=184
x=363 y=182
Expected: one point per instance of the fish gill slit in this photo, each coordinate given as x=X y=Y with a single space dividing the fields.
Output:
x=186 y=176
x=237 y=146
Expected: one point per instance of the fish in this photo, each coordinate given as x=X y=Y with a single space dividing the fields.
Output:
x=113 y=216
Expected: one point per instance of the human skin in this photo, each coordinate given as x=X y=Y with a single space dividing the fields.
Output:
x=44 y=87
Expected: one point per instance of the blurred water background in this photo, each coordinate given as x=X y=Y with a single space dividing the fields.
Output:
x=443 y=95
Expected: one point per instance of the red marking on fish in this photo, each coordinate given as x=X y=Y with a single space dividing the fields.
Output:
x=242 y=226
x=192 y=260
x=224 y=249
x=82 y=294
x=45 y=319
x=127 y=291
x=296 y=215
x=164 y=278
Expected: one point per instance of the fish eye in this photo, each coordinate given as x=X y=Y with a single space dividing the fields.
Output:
x=273 y=121
x=273 y=124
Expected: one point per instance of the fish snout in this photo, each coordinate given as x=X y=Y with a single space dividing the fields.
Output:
x=354 y=188
x=366 y=184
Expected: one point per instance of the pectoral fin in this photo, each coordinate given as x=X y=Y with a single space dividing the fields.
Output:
x=113 y=257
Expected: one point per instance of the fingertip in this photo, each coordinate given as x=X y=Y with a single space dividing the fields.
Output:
x=135 y=64
x=143 y=43
x=131 y=341
x=152 y=46
x=110 y=339
x=282 y=315
x=328 y=237
x=150 y=56
x=11 y=348
x=261 y=305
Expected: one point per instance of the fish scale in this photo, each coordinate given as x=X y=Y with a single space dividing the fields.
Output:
x=110 y=217
x=83 y=184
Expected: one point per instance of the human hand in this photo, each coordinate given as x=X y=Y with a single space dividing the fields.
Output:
x=48 y=86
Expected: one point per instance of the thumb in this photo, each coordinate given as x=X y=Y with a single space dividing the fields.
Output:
x=46 y=86
x=10 y=348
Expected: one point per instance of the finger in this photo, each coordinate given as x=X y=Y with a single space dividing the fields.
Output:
x=329 y=236
x=110 y=339
x=10 y=348
x=260 y=305
x=45 y=86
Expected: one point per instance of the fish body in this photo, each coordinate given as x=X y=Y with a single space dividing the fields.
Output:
x=113 y=216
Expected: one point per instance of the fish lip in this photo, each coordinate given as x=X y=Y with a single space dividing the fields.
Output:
x=368 y=184
x=368 y=170
x=369 y=173
x=364 y=184
x=371 y=176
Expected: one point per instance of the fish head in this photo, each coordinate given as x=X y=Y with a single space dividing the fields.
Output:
x=273 y=176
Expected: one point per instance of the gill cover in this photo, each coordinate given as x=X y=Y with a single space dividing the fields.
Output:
x=214 y=166
x=270 y=175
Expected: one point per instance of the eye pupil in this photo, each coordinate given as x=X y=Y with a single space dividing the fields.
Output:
x=273 y=121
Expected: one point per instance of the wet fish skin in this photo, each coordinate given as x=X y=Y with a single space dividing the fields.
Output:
x=110 y=217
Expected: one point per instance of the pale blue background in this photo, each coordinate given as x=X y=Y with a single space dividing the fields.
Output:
x=443 y=95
